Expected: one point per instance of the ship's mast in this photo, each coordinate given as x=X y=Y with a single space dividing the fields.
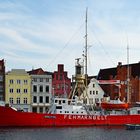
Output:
x=86 y=48
x=128 y=75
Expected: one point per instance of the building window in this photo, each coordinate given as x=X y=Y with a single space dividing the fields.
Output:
x=25 y=82
x=34 y=88
x=61 y=77
x=90 y=92
x=11 y=101
x=85 y=101
x=56 y=76
x=93 y=92
x=11 y=90
x=47 y=88
x=58 y=86
x=18 y=81
x=1 y=78
x=18 y=90
x=41 y=79
x=47 y=99
x=11 y=81
x=96 y=100
x=34 y=99
x=35 y=79
x=90 y=100
x=1 y=88
x=47 y=79
x=25 y=101
x=41 y=99
x=34 y=109
x=41 y=109
x=46 y=109
x=25 y=91
x=93 y=85
x=18 y=100
x=41 y=88
x=96 y=92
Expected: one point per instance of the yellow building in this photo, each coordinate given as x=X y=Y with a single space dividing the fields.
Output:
x=18 y=89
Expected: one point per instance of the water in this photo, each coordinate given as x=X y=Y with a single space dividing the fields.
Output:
x=69 y=133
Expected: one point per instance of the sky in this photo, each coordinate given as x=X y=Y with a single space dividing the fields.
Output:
x=45 y=33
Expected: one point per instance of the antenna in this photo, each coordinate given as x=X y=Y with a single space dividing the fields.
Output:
x=86 y=48
x=128 y=74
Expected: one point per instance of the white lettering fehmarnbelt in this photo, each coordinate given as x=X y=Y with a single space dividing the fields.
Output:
x=85 y=117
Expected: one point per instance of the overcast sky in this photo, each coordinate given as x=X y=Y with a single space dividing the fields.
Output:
x=44 y=33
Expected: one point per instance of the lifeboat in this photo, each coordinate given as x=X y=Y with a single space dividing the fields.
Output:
x=114 y=104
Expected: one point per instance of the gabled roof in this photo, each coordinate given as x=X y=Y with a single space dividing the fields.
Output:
x=106 y=73
x=39 y=71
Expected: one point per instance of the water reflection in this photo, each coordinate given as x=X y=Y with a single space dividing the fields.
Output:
x=69 y=133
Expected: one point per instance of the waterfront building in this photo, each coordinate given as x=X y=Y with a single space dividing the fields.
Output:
x=94 y=93
x=18 y=92
x=41 y=90
x=121 y=73
x=2 y=80
x=61 y=83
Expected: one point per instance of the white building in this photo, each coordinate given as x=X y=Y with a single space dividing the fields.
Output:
x=94 y=93
x=41 y=90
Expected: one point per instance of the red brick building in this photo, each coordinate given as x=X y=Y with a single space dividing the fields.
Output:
x=120 y=73
x=61 y=83
x=2 y=80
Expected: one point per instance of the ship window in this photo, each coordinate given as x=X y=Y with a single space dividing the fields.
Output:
x=82 y=112
x=60 y=111
x=72 y=112
x=77 y=112
x=65 y=111
x=138 y=111
x=58 y=107
x=55 y=101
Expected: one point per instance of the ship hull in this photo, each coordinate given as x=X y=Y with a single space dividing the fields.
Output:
x=12 y=118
